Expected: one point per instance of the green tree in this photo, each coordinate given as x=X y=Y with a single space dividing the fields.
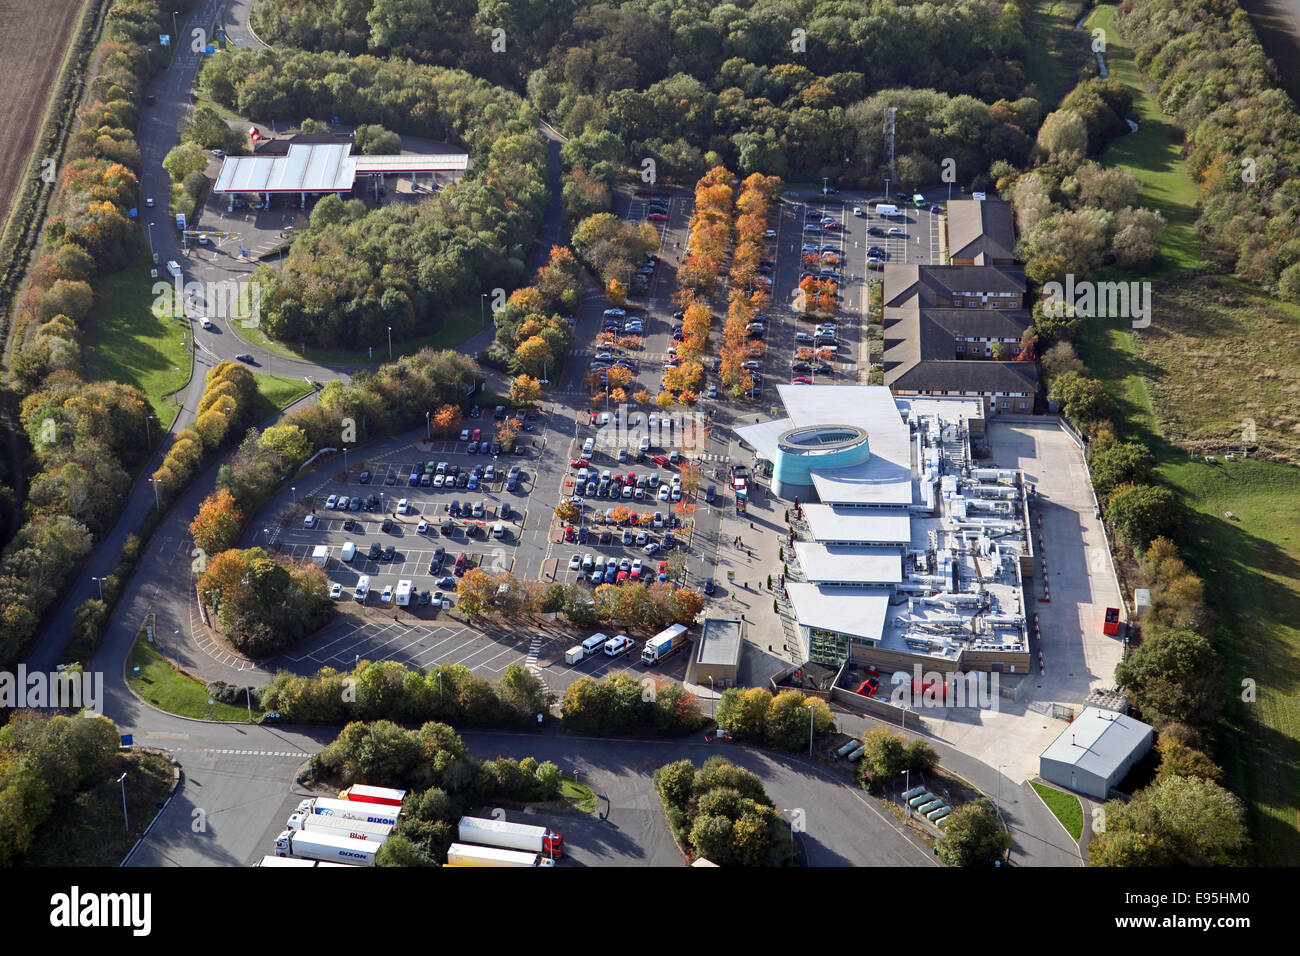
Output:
x=885 y=756
x=1119 y=464
x=185 y=159
x=1174 y=675
x=1180 y=820
x=1139 y=513
x=973 y=836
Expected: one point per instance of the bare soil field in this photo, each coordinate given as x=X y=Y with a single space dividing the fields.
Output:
x=33 y=41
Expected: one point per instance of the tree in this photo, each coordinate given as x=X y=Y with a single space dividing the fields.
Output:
x=788 y=724
x=1180 y=820
x=973 y=836
x=1173 y=674
x=616 y=292
x=1082 y=400
x=475 y=591
x=884 y=757
x=446 y=420
x=568 y=512
x=1120 y=464
x=743 y=713
x=290 y=442
x=533 y=357
x=525 y=390
x=919 y=756
x=1064 y=136
x=185 y=159
x=217 y=523
x=686 y=606
x=1179 y=760
x=1139 y=513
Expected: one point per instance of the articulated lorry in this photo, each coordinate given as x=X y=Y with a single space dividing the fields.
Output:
x=293 y=861
x=364 y=793
x=328 y=847
x=664 y=643
x=349 y=810
x=461 y=854
x=357 y=829
x=510 y=836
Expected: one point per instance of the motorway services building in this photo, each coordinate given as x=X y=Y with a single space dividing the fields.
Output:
x=1095 y=752
x=312 y=168
x=718 y=653
x=905 y=553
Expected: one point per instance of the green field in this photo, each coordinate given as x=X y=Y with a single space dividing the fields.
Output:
x=1055 y=48
x=275 y=393
x=1064 y=806
x=127 y=343
x=1152 y=154
x=166 y=688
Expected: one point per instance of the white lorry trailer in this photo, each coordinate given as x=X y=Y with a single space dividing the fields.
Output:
x=664 y=643
x=328 y=847
x=350 y=810
x=510 y=836
x=357 y=829
x=461 y=854
x=294 y=861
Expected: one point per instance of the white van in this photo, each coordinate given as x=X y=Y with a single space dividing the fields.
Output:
x=349 y=551
x=173 y=269
x=588 y=447
x=594 y=644
x=498 y=530
x=403 y=506
x=363 y=588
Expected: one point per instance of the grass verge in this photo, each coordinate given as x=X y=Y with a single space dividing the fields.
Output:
x=128 y=343
x=275 y=393
x=168 y=689
x=454 y=329
x=1064 y=806
x=1055 y=50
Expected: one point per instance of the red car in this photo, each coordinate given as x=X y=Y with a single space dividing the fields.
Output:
x=660 y=460
x=657 y=216
x=800 y=380
x=868 y=687
x=579 y=463
x=570 y=534
x=622 y=576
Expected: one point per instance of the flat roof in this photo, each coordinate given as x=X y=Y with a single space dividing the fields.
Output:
x=322 y=168
x=1098 y=741
x=865 y=525
x=719 y=642
x=857 y=611
x=848 y=563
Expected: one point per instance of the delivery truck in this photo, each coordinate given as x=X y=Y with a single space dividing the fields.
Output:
x=329 y=847
x=357 y=829
x=461 y=854
x=364 y=793
x=510 y=836
x=664 y=643
x=350 y=810
x=292 y=861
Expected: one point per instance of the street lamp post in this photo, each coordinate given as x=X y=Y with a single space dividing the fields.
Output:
x=811 y=712
x=176 y=33
x=713 y=700
x=482 y=310
x=390 y=343
x=248 y=691
x=154 y=482
x=148 y=435
x=907 y=785
x=150 y=230
x=100 y=582
x=428 y=428
x=126 y=823
x=293 y=492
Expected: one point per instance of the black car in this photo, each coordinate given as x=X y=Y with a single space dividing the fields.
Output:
x=364 y=478
x=389 y=552
x=512 y=484
x=439 y=554
x=374 y=550
x=800 y=367
x=606 y=536
x=372 y=503
x=462 y=480
x=875 y=231
x=448 y=528
x=708 y=587
x=244 y=357
x=504 y=512
x=454 y=508
x=495 y=447
x=387 y=525
x=453 y=470
x=390 y=479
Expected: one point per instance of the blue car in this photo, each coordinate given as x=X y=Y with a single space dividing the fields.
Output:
x=610 y=574
x=448 y=582
x=473 y=482
x=414 y=480
x=708 y=587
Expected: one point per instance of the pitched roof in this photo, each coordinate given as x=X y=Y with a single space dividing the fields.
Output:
x=965 y=375
x=981 y=230
x=922 y=285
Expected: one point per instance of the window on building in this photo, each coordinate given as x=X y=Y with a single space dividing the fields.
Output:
x=1024 y=405
x=1006 y=405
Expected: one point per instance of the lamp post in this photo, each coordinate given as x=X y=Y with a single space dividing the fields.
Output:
x=154 y=482
x=150 y=231
x=148 y=435
x=176 y=33
x=293 y=492
x=126 y=823
x=390 y=343
x=100 y=582
x=428 y=428
x=907 y=785
x=248 y=691
x=482 y=310
x=811 y=712
x=713 y=700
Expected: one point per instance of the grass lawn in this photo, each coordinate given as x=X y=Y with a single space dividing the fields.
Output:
x=1055 y=49
x=1064 y=806
x=274 y=393
x=127 y=343
x=578 y=794
x=88 y=829
x=168 y=689
x=454 y=330
x=1153 y=155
